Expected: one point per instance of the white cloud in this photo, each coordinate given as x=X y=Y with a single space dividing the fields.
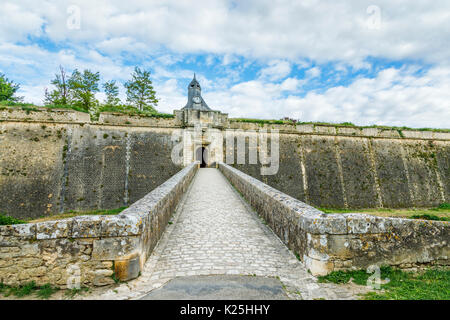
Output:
x=325 y=30
x=276 y=70
x=393 y=97
x=313 y=72
x=281 y=36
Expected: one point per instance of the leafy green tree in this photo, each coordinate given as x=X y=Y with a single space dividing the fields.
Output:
x=140 y=91
x=61 y=94
x=83 y=87
x=112 y=93
x=8 y=90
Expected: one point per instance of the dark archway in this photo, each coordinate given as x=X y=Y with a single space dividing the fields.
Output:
x=202 y=156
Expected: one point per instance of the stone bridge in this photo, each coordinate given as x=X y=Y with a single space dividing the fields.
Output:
x=217 y=247
x=215 y=233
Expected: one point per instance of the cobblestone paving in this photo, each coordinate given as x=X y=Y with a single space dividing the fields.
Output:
x=215 y=232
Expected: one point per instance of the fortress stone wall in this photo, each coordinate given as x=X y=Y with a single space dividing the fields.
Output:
x=59 y=160
x=342 y=167
x=93 y=250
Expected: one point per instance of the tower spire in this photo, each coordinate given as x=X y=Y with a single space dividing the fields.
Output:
x=195 y=100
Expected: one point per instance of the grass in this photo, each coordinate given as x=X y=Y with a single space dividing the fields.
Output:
x=119 y=109
x=44 y=292
x=432 y=284
x=134 y=112
x=342 y=124
x=31 y=107
x=440 y=213
x=7 y=220
x=75 y=291
x=71 y=214
x=262 y=121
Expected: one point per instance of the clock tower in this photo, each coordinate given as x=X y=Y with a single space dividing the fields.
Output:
x=195 y=100
x=202 y=139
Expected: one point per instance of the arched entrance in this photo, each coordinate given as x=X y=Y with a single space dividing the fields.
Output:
x=202 y=156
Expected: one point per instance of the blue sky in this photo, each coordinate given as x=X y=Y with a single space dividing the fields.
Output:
x=367 y=62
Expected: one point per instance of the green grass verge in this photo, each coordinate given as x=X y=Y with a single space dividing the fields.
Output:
x=28 y=107
x=44 y=292
x=72 y=213
x=342 y=124
x=262 y=121
x=427 y=216
x=440 y=213
x=432 y=284
x=134 y=112
x=7 y=220
x=75 y=291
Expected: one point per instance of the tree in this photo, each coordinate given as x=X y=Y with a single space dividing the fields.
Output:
x=140 y=91
x=8 y=90
x=112 y=93
x=83 y=87
x=60 y=95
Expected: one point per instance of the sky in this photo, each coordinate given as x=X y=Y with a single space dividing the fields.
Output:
x=366 y=62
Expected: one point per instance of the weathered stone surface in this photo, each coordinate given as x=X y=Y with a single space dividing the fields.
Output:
x=24 y=231
x=342 y=241
x=114 y=248
x=127 y=269
x=54 y=229
x=88 y=247
x=87 y=227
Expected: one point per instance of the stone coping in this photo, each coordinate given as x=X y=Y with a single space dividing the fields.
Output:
x=336 y=130
x=116 y=119
x=129 y=222
x=327 y=242
x=68 y=116
x=315 y=221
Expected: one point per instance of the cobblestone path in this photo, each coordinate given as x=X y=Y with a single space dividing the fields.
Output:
x=215 y=232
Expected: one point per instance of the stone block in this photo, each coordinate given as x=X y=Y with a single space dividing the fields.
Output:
x=53 y=229
x=127 y=269
x=23 y=231
x=122 y=225
x=318 y=267
x=114 y=248
x=87 y=226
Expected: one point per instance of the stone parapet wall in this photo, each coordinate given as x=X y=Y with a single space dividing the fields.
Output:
x=327 y=242
x=337 y=130
x=43 y=115
x=121 y=119
x=91 y=249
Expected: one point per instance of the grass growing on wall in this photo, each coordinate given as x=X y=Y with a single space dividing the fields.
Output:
x=342 y=124
x=7 y=220
x=134 y=112
x=72 y=213
x=432 y=284
x=31 y=107
x=119 y=109
x=440 y=213
x=262 y=121
x=44 y=292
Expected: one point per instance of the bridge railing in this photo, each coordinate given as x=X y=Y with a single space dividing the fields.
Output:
x=91 y=250
x=327 y=242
